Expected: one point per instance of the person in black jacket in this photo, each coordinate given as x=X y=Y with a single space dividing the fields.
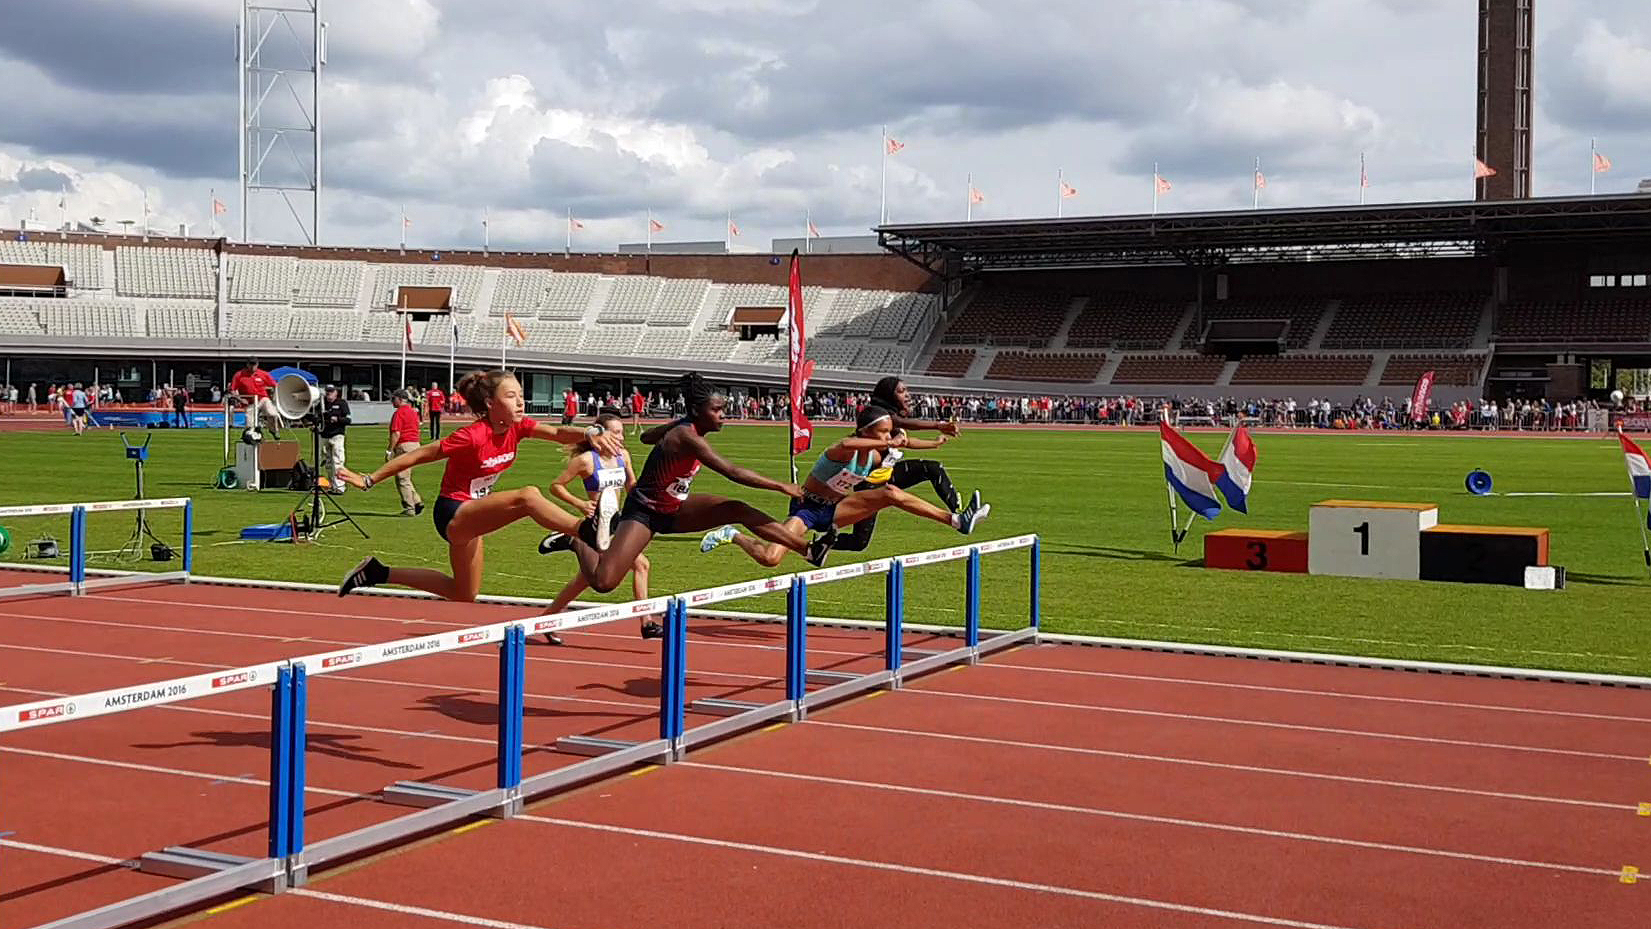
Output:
x=335 y=419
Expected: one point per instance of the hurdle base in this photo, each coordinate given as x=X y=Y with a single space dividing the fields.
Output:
x=591 y=746
x=187 y=863
x=829 y=677
x=717 y=706
x=424 y=796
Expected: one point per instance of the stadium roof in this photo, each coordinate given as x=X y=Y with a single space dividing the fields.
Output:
x=1408 y=230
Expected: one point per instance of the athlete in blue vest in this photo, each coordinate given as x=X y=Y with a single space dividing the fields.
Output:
x=605 y=481
x=830 y=497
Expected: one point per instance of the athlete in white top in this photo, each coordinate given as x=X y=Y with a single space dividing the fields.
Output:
x=604 y=479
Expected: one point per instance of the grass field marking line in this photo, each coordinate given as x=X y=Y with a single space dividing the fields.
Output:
x=1225 y=765
x=1164 y=820
x=175 y=772
x=1337 y=694
x=404 y=909
x=468 y=653
x=1264 y=724
x=65 y=853
x=964 y=877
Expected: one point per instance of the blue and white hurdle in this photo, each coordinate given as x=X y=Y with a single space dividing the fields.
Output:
x=82 y=579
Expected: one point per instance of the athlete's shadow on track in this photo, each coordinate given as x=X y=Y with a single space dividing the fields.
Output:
x=331 y=745
x=465 y=708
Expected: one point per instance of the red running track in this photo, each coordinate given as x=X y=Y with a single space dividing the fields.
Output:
x=1051 y=785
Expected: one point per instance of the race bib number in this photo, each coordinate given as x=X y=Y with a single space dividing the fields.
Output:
x=482 y=486
x=843 y=482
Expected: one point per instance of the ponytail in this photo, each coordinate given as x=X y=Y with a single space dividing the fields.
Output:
x=478 y=387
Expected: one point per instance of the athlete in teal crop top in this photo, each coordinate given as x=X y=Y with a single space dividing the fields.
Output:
x=830 y=499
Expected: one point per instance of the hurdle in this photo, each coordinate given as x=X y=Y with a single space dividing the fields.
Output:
x=206 y=874
x=80 y=579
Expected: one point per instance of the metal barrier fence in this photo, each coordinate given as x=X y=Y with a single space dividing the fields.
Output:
x=210 y=874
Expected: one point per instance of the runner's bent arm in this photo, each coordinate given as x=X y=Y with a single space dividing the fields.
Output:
x=424 y=454
x=736 y=473
x=927 y=443
x=947 y=426
x=573 y=435
x=559 y=486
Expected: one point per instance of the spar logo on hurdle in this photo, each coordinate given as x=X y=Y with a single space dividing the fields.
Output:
x=54 y=711
x=465 y=638
x=246 y=676
x=700 y=597
x=645 y=607
x=341 y=661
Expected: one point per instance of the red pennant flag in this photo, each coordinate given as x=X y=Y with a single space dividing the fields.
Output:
x=802 y=431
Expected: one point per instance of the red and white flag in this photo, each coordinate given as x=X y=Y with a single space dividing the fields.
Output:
x=802 y=431
x=1161 y=183
x=514 y=329
x=655 y=225
x=1260 y=181
x=733 y=229
x=575 y=223
x=1364 y=179
x=1419 y=396
x=1067 y=190
x=813 y=230
x=219 y=209
x=975 y=196
x=1482 y=170
x=1602 y=164
x=407 y=331
x=895 y=147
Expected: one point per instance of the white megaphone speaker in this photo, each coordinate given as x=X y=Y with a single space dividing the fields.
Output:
x=294 y=396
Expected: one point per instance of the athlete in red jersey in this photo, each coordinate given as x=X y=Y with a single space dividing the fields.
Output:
x=661 y=503
x=467 y=509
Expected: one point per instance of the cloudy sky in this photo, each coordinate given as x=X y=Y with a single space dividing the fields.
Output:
x=770 y=108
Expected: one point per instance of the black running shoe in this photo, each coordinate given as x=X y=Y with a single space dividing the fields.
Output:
x=555 y=542
x=821 y=547
x=972 y=514
x=369 y=573
x=652 y=630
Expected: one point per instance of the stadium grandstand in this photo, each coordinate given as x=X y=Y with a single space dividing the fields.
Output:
x=1519 y=298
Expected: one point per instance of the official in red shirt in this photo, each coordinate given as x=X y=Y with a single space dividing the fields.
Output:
x=253 y=385
x=404 y=436
x=434 y=402
x=467 y=511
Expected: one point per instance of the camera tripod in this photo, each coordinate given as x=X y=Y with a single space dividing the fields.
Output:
x=308 y=526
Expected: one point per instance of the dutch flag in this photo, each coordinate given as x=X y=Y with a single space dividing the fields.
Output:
x=1238 y=464
x=1639 y=470
x=1190 y=472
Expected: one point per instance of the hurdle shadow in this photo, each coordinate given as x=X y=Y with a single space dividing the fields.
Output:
x=1602 y=580
x=63 y=881
x=1110 y=553
x=332 y=745
x=465 y=708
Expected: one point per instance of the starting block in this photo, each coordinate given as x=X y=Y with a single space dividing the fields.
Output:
x=1256 y=550
x=1368 y=538
x=1482 y=554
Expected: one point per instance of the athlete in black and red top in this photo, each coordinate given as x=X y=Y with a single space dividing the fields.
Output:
x=661 y=503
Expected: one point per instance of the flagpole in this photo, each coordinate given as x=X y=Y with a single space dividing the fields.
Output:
x=404 y=227
x=1155 y=207
x=968 y=197
x=650 y=246
x=883 y=181
x=808 y=231
x=728 y=232
x=1593 y=175
x=569 y=249
x=1363 y=178
x=452 y=346
x=486 y=230
x=1060 y=192
x=1255 y=186
x=406 y=335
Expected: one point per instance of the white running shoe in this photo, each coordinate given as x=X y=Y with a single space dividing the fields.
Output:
x=972 y=514
x=607 y=507
x=719 y=536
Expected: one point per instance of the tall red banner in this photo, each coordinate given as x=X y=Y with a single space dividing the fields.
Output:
x=1420 y=396
x=802 y=431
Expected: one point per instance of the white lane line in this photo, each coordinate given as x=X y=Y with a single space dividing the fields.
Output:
x=465 y=652
x=64 y=853
x=403 y=909
x=1227 y=766
x=1309 y=692
x=177 y=772
x=702 y=640
x=1294 y=727
x=960 y=876
x=1162 y=820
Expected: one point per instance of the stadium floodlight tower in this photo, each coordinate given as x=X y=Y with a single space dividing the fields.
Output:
x=280 y=47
